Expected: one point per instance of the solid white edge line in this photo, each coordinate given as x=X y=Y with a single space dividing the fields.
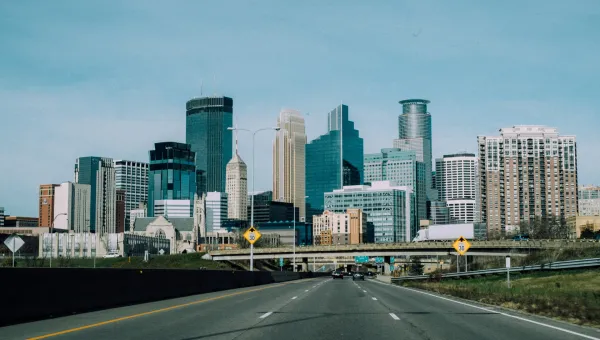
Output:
x=496 y=312
x=266 y=315
x=394 y=316
x=294 y=298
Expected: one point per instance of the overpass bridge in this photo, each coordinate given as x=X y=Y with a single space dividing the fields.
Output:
x=478 y=248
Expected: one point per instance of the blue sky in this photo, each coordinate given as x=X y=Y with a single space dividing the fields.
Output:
x=80 y=78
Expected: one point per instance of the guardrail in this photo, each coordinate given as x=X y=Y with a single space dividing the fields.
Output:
x=558 y=265
x=499 y=244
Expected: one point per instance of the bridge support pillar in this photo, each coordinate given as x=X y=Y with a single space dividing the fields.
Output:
x=304 y=264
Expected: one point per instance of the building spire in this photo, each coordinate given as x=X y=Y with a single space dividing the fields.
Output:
x=235 y=131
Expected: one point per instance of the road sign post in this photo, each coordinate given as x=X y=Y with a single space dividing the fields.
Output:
x=461 y=245
x=252 y=235
x=508 y=270
x=14 y=243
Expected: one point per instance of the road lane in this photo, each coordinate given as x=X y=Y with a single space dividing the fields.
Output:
x=307 y=309
x=337 y=310
x=436 y=317
x=203 y=314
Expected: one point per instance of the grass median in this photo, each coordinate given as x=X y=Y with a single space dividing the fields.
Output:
x=570 y=296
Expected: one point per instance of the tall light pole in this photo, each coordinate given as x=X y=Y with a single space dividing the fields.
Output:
x=252 y=199
x=51 y=236
x=294 y=208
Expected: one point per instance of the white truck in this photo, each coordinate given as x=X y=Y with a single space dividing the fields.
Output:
x=446 y=232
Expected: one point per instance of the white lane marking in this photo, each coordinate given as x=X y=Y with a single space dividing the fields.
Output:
x=265 y=315
x=374 y=299
x=364 y=291
x=394 y=316
x=306 y=290
x=294 y=298
x=496 y=312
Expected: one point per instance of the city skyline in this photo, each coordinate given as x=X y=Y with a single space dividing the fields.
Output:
x=479 y=80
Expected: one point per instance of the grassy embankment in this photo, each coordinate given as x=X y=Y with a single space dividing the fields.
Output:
x=180 y=261
x=572 y=296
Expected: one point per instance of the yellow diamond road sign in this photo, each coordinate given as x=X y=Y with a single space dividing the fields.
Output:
x=252 y=235
x=461 y=245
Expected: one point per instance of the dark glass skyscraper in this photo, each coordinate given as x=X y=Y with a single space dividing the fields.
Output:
x=334 y=159
x=207 y=120
x=172 y=174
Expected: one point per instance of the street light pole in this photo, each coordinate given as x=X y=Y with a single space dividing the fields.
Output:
x=231 y=128
x=52 y=238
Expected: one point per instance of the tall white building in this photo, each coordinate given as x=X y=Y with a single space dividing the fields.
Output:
x=72 y=207
x=1 y=216
x=455 y=180
x=236 y=187
x=132 y=177
x=289 y=157
x=216 y=211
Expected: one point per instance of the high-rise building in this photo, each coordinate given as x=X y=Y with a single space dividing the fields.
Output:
x=289 y=169
x=99 y=174
x=46 y=205
x=1 y=216
x=402 y=168
x=132 y=177
x=237 y=188
x=216 y=211
x=72 y=207
x=333 y=160
x=589 y=200
x=525 y=172
x=455 y=180
x=414 y=133
x=171 y=179
x=207 y=123
x=387 y=206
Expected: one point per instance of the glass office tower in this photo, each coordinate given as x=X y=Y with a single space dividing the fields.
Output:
x=333 y=160
x=207 y=120
x=414 y=133
x=99 y=174
x=172 y=174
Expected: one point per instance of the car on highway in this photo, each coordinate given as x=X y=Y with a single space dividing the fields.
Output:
x=358 y=276
x=337 y=275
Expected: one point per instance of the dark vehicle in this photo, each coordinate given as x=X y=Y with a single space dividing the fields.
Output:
x=358 y=276
x=337 y=275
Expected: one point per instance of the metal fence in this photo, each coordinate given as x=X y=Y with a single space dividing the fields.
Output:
x=558 y=265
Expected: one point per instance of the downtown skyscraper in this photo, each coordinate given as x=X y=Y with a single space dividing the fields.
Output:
x=237 y=188
x=289 y=160
x=528 y=171
x=333 y=160
x=207 y=123
x=455 y=180
x=414 y=133
x=132 y=177
x=99 y=174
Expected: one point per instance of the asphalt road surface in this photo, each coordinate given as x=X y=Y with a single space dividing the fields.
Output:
x=307 y=309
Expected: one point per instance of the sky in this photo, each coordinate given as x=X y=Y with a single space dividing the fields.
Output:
x=110 y=78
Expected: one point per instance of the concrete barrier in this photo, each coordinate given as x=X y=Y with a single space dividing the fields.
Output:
x=30 y=294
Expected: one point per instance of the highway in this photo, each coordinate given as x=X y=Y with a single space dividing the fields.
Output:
x=307 y=309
